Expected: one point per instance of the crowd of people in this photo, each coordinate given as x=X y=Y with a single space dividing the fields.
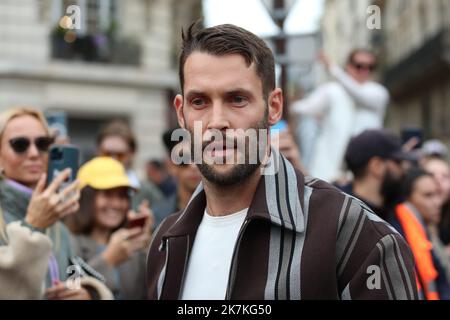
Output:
x=89 y=224
x=411 y=190
x=407 y=185
x=238 y=233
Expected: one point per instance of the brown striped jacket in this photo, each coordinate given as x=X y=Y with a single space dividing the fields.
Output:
x=302 y=239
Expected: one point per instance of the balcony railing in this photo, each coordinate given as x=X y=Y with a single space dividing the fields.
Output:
x=100 y=48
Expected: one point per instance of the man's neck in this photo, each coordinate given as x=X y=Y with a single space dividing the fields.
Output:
x=368 y=189
x=224 y=200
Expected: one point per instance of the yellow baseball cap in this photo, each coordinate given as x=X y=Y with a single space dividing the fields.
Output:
x=103 y=173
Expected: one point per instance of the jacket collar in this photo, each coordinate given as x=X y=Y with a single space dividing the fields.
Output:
x=13 y=200
x=278 y=199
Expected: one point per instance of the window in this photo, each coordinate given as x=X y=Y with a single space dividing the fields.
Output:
x=96 y=40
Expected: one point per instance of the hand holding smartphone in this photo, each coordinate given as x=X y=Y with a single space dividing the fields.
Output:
x=412 y=138
x=136 y=222
x=56 y=195
x=143 y=219
x=62 y=157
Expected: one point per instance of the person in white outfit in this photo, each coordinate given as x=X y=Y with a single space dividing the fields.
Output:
x=343 y=108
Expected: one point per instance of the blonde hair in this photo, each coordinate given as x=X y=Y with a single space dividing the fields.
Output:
x=8 y=115
x=5 y=118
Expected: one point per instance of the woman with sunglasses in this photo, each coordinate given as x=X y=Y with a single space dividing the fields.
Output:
x=370 y=97
x=109 y=236
x=337 y=110
x=24 y=197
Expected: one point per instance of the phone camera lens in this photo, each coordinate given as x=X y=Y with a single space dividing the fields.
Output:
x=56 y=154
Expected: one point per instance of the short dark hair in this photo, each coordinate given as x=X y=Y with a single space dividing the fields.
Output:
x=118 y=128
x=354 y=52
x=227 y=39
x=410 y=179
x=359 y=172
x=156 y=163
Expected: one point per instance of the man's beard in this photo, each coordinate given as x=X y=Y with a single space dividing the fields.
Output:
x=239 y=172
x=391 y=189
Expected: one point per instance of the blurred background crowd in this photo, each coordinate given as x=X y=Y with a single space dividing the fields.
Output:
x=367 y=108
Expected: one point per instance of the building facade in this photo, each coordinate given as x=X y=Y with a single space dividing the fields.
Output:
x=417 y=65
x=344 y=27
x=414 y=56
x=119 y=63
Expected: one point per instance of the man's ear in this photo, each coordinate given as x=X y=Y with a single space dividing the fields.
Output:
x=275 y=105
x=178 y=104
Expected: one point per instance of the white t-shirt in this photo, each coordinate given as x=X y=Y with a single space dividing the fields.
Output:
x=210 y=259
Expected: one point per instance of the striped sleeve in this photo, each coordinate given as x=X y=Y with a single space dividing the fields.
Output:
x=373 y=260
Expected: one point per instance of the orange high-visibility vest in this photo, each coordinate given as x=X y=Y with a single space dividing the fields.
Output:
x=421 y=248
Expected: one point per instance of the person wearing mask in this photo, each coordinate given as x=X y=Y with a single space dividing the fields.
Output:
x=116 y=140
x=102 y=236
x=375 y=159
x=343 y=108
x=24 y=197
x=416 y=219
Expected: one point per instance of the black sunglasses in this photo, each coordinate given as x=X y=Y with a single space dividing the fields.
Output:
x=21 y=144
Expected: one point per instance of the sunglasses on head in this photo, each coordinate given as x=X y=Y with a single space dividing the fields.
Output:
x=363 y=66
x=21 y=144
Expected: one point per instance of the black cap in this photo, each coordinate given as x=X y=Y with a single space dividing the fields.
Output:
x=375 y=143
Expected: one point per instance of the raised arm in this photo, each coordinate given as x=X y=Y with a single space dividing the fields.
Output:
x=315 y=104
x=374 y=97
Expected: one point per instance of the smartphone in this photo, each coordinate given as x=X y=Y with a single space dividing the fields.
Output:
x=408 y=133
x=62 y=157
x=57 y=120
x=138 y=222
